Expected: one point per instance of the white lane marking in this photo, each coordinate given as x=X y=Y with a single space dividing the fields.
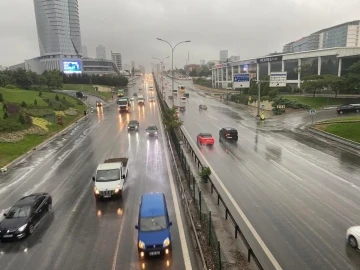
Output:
x=247 y=222
x=184 y=248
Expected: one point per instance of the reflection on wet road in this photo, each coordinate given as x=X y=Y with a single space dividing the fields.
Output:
x=82 y=233
x=300 y=194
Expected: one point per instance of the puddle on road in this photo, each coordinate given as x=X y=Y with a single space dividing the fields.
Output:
x=227 y=112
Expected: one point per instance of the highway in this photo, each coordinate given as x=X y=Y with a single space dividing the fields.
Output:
x=299 y=194
x=80 y=232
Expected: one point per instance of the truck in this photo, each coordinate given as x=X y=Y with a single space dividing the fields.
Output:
x=120 y=93
x=180 y=106
x=110 y=177
x=141 y=100
x=123 y=105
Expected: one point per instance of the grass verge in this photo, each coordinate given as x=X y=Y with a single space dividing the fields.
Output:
x=321 y=102
x=88 y=88
x=350 y=131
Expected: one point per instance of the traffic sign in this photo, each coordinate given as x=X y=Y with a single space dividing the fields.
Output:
x=280 y=106
x=278 y=79
x=262 y=106
x=312 y=111
x=241 y=80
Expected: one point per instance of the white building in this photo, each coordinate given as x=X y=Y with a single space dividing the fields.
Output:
x=342 y=35
x=126 y=67
x=100 y=52
x=223 y=55
x=333 y=61
x=84 y=51
x=116 y=57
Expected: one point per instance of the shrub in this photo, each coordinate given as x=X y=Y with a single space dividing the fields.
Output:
x=265 y=98
x=242 y=99
x=35 y=102
x=278 y=111
x=23 y=104
x=39 y=112
x=1 y=98
x=66 y=103
x=63 y=97
x=22 y=119
x=40 y=93
x=5 y=116
x=205 y=173
x=9 y=125
x=57 y=97
x=12 y=109
x=273 y=93
x=10 y=86
x=5 y=107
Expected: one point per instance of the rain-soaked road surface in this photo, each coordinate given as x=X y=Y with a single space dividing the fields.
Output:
x=299 y=193
x=81 y=233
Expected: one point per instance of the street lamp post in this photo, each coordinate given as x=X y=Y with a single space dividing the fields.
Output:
x=161 y=72
x=172 y=58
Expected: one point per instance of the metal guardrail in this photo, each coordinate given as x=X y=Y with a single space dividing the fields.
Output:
x=228 y=214
x=335 y=138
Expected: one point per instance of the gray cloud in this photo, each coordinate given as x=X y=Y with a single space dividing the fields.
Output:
x=245 y=28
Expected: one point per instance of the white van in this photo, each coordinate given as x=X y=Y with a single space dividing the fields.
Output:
x=183 y=99
x=141 y=99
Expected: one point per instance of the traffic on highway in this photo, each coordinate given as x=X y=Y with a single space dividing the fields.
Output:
x=299 y=196
x=99 y=196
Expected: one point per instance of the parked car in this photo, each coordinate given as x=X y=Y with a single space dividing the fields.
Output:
x=205 y=138
x=348 y=108
x=26 y=214
x=228 y=134
x=202 y=107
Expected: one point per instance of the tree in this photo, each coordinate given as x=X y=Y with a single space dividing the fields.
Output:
x=57 y=97
x=23 y=78
x=5 y=116
x=314 y=83
x=193 y=73
x=23 y=104
x=40 y=93
x=35 y=102
x=171 y=119
x=353 y=77
x=53 y=79
x=1 y=98
x=335 y=83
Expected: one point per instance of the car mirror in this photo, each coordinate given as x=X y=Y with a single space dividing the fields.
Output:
x=93 y=178
x=170 y=223
x=136 y=227
x=5 y=214
x=123 y=176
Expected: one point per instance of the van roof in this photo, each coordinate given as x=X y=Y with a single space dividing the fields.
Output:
x=152 y=205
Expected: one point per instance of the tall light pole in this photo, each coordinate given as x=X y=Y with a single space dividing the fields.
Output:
x=161 y=72
x=172 y=58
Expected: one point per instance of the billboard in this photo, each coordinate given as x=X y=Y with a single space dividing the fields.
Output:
x=71 y=66
x=241 y=80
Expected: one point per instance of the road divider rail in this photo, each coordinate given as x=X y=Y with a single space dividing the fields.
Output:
x=228 y=215
x=333 y=137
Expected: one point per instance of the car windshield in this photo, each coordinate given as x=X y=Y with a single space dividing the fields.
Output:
x=107 y=175
x=152 y=128
x=206 y=135
x=123 y=102
x=19 y=212
x=133 y=122
x=150 y=224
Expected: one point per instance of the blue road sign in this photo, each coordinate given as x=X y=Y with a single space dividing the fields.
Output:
x=241 y=80
x=312 y=111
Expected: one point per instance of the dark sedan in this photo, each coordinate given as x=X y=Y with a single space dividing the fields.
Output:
x=23 y=218
x=348 y=108
x=133 y=125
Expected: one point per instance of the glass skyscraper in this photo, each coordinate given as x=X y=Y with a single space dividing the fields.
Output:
x=58 y=27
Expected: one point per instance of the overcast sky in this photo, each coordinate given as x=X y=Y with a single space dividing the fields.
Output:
x=245 y=28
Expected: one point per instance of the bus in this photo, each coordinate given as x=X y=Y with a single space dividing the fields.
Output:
x=120 y=93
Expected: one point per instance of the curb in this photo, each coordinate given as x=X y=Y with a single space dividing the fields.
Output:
x=25 y=155
x=335 y=138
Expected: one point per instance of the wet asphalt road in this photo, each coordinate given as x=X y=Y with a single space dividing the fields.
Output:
x=300 y=194
x=81 y=233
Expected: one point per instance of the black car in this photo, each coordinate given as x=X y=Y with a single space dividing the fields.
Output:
x=202 y=107
x=228 y=134
x=98 y=103
x=133 y=125
x=25 y=216
x=348 y=108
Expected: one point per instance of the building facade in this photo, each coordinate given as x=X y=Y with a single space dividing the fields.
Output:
x=333 y=61
x=116 y=57
x=223 y=55
x=100 y=52
x=58 y=27
x=234 y=58
x=342 y=35
x=84 y=51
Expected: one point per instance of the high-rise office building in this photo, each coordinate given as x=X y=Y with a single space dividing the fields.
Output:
x=100 y=52
x=58 y=27
x=234 y=58
x=84 y=51
x=223 y=55
x=342 y=35
x=116 y=57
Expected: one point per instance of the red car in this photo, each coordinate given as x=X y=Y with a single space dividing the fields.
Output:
x=205 y=138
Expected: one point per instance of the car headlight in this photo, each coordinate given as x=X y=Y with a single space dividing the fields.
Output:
x=22 y=228
x=141 y=244
x=147 y=133
x=117 y=189
x=155 y=133
x=166 y=242
x=128 y=127
x=96 y=190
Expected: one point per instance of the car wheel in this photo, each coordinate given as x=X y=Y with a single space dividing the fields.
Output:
x=49 y=207
x=31 y=228
x=352 y=241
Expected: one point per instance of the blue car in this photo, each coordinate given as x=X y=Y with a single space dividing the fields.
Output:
x=153 y=226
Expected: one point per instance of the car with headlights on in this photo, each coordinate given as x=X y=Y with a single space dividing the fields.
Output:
x=25 y=216
x=353 y=236
x=205 y=138
x=98 y=103
x=202 y=107
x=133 y=125
x=152 y=131
x=152 y=99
